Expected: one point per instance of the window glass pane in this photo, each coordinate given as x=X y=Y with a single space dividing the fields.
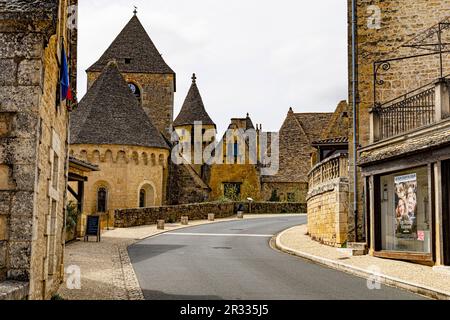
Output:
x=405 y=216
x=142 y=198
x=101 y=200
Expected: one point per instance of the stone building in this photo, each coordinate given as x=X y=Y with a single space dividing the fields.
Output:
x=386 y=29
x=401 y=129
x=327 y=198
x=296 y=135
x=149 y=77
x=237 y=177
x=188 y=179
x=33 y=146
x=110 y=129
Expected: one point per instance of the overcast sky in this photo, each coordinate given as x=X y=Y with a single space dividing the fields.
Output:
x=256 y=56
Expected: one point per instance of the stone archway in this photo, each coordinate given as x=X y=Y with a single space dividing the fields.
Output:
x=146 y=196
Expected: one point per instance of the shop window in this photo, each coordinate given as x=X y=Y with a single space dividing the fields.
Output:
x=405 y=217
x=102 y=195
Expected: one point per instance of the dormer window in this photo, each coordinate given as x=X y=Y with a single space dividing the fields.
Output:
x=127 y=60
x=135 y=90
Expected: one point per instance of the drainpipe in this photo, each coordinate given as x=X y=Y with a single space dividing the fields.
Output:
x=354 y=105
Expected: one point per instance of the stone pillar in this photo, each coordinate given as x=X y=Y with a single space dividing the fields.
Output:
x=184 y=220
x=211 y=217
x=160 y=224
x=442 y=107
x=438 y=196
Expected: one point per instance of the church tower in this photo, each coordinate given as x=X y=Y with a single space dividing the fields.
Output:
x=149 y=77
x=193 y=111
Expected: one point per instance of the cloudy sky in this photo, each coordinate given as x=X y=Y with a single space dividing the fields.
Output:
x=256 y=56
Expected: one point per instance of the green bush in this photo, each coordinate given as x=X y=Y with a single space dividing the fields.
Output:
x=72 y=216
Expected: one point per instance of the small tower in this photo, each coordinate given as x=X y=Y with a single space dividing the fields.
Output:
x=193 y=111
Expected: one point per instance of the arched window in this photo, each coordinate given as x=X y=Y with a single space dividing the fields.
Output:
x=142 y=198
x=102 y=195
x=135 y=89
x=146 y=196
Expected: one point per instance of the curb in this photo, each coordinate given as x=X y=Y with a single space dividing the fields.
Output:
x=363 y=273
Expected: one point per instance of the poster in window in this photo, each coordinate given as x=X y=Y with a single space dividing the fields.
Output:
x=406 y=207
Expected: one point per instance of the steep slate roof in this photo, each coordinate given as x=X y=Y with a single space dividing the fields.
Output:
x=133 y=43
x=28 y=9
x=110 y=114
x=313 y=123
x=193 y=108
x=339 y=123
x=299 y=130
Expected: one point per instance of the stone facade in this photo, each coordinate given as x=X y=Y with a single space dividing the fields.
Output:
x=284 y=191
x=399 y=21
x=157 y=96
x=198 y=211
x=33 y=144
x=246 y=175
x=327 y=212
x=123 y=171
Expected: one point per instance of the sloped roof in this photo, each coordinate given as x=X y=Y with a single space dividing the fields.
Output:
x=133 y=43
x=421 y=140
x=242 y=123
x=28 y=9
x=299 y=130
x=193 y=108
x=339 y=123
x=313 y=123
x=331 y=141
x=109 y=113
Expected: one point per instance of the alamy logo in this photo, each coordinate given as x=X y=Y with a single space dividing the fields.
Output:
x=238 y=146
x=374 y=19
x=374 y=281
x=72 y=17
x=73 y=274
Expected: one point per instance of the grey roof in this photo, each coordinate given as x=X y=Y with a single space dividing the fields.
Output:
x=242 y=123
x=109 y=113
x=331 y=141
x=420 y=140
x=28 y=9
x=133 y=43
x=193 y=108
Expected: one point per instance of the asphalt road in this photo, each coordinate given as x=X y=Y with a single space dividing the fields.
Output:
x=233 y=261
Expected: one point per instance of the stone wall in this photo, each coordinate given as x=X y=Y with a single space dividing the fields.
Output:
x=123 y=171
x=33 y=145
x=400 y=21
x=146 y=216
x=157 y=96
x=185 y=185
x=327 y=212
x=284 y=191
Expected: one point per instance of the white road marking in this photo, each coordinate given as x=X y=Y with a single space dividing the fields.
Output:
x=220 y=234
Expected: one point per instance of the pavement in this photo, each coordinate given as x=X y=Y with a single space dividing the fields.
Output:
x=233 y=260
x=105 y=269
x=427 y=281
